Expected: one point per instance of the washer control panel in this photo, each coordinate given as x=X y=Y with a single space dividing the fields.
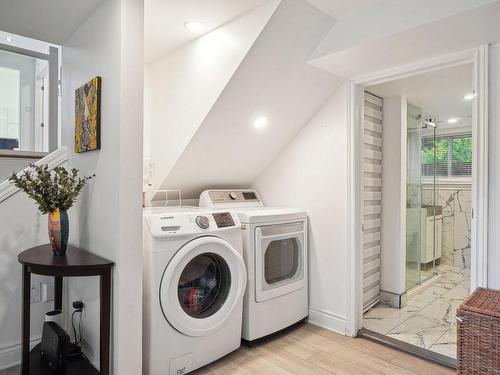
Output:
x=187 y=223
x=223 y=219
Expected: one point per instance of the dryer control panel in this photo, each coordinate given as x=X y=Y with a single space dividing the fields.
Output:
x=230 y=198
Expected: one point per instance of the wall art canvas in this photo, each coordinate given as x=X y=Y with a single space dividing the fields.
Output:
x=88 y=116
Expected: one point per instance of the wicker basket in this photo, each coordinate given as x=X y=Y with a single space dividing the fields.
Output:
x=478 y=339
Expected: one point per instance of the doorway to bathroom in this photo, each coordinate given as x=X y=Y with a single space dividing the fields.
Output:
x=420 y=143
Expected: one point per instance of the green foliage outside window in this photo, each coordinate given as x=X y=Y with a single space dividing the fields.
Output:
x=441 y=151
x=462 y=149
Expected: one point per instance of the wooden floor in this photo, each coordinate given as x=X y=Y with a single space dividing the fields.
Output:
x=312 y=350
x=308 y=349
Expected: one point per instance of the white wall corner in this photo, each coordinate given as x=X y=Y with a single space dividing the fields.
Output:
x=107 y=219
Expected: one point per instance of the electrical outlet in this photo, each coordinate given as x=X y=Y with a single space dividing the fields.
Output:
x=47 y=292
x=35 y=291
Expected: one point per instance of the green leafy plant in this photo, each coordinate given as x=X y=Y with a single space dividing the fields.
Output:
x=54 y=189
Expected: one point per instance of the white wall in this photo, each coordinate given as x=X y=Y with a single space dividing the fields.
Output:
x=107 y=218
x=9 y=165
x=311 y=173
x=22 y=227
x=494 y=168
x=182 y=87
x=393 y=241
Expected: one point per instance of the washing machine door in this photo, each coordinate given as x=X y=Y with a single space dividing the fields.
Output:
x=202 y=285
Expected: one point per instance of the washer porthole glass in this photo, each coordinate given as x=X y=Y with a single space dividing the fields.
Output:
x=204 y=285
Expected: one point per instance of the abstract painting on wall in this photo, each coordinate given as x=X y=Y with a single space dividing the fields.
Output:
x=88 y=116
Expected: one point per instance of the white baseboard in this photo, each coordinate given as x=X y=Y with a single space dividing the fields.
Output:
x=10 y=356
x=328 y=320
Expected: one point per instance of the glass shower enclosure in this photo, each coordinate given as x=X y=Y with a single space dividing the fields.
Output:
x=422 y=219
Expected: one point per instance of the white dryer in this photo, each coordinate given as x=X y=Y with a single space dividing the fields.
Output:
x=194 y=281
x=275 y=252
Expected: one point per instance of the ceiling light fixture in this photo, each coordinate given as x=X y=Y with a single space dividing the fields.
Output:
x=195 y=26
x=453 y=120
x=469 y=97
x=260 y=122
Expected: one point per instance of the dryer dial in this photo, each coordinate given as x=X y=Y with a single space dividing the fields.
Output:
x=202 y=221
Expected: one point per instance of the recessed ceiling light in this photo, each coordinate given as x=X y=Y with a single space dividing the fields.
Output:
x=195 y=26
x=469 y=97
x=453 y=120
x=260 y=122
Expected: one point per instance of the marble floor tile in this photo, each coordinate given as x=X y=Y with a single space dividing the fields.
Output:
x=419 y=330
x=446 y=283
x=459 y=292
x=442 y=310
x=447 y=343
x=428 y=320
x=418 y=302
x=454 y=277
x=384 y=318
x=436 y=290
x=464 y=271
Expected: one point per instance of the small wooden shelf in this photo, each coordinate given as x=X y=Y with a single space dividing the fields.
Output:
x=78 y=366
x=41 y=261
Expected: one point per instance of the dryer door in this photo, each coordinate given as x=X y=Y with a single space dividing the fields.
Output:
x=202 y=285
x=280 y=260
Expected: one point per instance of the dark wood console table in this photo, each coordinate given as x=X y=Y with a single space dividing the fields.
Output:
x=41 y=261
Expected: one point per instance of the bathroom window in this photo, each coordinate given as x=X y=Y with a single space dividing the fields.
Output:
x=453 y=155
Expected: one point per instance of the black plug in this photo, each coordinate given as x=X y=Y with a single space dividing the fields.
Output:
x=78 y=305
x=76 y=345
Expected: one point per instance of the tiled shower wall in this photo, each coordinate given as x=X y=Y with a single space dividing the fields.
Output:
x=456 y=235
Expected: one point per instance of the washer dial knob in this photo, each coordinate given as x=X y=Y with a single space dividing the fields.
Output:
x=233 y=196
x=202 y=221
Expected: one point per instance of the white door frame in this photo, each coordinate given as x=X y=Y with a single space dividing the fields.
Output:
x=477 y=56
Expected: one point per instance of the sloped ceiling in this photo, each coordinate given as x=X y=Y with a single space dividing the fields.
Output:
x=340 y=9
x=274 y=80
x=52 y=21
x=181 y=88
x=400 y=32
x=164 y=29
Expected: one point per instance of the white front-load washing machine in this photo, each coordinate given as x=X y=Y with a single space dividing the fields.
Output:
x=194 y=282
x=275 y=253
